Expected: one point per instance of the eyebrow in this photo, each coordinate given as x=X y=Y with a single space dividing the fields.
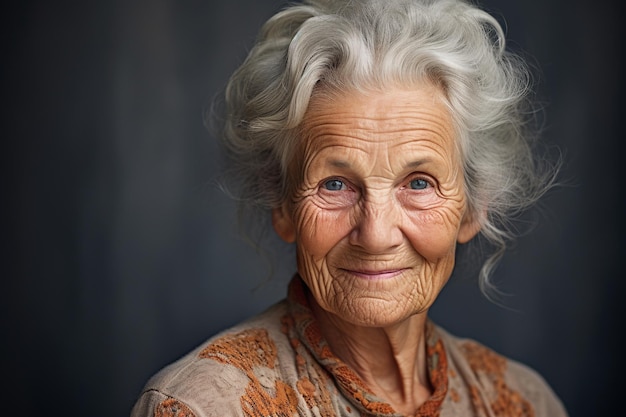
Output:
x=338 y=163
x=417 y=163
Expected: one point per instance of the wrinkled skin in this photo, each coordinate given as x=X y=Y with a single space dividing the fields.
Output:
x=381 y=205
x=376 y=219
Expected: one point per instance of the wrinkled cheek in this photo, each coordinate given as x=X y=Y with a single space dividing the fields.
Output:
x=439 y=260
x=440 y=269
x=432 y=276
x=316 y=275
x=311 y=241
x=309 y=265
x=433 y=235
x=318 y=230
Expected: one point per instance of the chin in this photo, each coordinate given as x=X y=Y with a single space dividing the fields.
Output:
x=375 y=312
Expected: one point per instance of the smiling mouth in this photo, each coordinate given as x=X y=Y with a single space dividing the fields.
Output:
x=376 y=275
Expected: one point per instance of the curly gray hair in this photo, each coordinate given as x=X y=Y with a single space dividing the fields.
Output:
x=345 y=45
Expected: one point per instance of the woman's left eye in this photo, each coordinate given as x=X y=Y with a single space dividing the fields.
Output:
x=418 y=184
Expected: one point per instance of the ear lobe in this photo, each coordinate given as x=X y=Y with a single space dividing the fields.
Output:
x=283 y=225
x=470 y=226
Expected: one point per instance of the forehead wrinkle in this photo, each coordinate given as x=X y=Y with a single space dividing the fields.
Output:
x=394 y=123
x=392 y=133
x=318 y=139
x=423 y=154
x=359 y=113
x=367 y=109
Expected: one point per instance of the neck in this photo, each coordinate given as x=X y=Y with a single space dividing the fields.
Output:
x=390 y=360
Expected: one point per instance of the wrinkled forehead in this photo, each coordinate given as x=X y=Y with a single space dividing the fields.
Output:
x=398 y=112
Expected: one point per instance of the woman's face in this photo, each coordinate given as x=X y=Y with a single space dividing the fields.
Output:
x=380 y=205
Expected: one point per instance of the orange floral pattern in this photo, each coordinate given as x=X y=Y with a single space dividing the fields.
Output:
x=504 y=401
x=172 y=408
x=245 y=351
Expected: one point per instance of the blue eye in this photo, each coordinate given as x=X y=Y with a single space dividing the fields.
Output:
x=334 y=185
x=418 y=184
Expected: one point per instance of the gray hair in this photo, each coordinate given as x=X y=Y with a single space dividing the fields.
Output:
x=372 y=44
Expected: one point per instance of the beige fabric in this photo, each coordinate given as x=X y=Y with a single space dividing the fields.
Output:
x=277 y=364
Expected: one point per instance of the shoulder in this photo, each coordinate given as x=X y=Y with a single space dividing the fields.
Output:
x=220 y=376
x=507 y=385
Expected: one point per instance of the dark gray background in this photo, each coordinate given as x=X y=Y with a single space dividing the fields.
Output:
x=120 y=256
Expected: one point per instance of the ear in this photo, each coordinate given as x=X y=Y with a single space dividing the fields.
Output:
x=470 y=226
x=283 y=224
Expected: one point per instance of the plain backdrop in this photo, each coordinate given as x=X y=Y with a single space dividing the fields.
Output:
x=120 y=255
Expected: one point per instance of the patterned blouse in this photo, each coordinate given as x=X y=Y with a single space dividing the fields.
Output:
x=278 y=364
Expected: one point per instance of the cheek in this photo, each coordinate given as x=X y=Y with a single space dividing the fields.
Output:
x=433 y=232
x=319 y=229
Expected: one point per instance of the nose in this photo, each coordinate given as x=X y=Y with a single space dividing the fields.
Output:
x=377 y=227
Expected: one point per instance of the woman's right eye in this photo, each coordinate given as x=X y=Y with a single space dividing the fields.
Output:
x=336 y=193
x=334 y=185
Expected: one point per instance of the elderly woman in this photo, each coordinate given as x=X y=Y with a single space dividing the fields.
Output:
x=379 y=135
